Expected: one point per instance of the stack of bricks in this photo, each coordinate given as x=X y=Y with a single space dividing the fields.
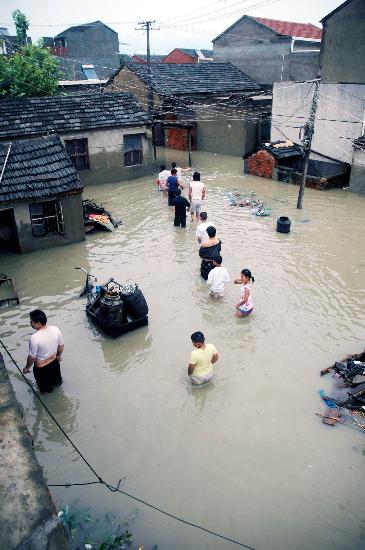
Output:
x=261 y=164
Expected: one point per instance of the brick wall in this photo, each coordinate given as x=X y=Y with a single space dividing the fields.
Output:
x=177 y=56
x=177 y=138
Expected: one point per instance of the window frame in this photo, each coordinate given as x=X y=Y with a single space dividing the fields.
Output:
x=133 y=156
x=49 y=221
x=80 y=159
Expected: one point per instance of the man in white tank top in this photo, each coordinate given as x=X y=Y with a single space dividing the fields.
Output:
x=45 y=350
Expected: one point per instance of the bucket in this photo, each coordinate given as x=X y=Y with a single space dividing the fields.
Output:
x=111 y=308
x=283 y=224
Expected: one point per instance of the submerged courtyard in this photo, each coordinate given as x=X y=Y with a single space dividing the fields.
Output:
x=245 y=456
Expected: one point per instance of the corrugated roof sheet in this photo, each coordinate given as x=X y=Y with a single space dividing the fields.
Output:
x=61 y=114
x=36 y=168
x=191 y=78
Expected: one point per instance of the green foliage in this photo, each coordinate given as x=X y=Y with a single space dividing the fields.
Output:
x=21 y=26
x=31 y=72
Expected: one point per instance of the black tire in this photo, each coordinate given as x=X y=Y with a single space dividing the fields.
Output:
x=135 y=304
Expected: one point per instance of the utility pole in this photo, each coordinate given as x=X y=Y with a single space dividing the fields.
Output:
x=307 y=142
x=147 y=26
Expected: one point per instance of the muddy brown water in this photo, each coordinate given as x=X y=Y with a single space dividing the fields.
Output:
x=246 y=456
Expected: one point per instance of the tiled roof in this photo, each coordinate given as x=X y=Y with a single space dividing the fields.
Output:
x=153 y=57
x=289 y=28
x=193 y=53
x=36 y=168
x=191 y=78
x=207 y=53
x=359 y=143
x=41 y=115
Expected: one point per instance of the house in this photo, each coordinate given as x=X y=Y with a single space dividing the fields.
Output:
x=209 y=105
x=357 y=177
x=40 y=196
x=9 y=44
x=339 y=120
x=90 y=50
x=186 y=55
x=105 y=135
x=269 y=50
x=142 y=58
x=81 y=86
x=343 y=48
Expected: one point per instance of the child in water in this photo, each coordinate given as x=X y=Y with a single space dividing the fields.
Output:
x=244 y=306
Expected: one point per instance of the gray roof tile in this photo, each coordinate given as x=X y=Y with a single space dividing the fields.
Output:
x=36 y=168
x=61 y=114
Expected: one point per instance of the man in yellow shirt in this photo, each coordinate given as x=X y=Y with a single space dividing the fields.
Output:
x=202 y=359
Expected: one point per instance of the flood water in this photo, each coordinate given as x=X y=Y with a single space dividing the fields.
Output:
x=245 y=456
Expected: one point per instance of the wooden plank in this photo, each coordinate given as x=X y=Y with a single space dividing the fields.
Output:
x=331 y=416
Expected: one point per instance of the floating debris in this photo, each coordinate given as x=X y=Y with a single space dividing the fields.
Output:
x=248 y=200
x=95 y=216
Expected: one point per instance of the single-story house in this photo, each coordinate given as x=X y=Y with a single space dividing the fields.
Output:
x=105 y=135
x=40 y=196
x=207 y=104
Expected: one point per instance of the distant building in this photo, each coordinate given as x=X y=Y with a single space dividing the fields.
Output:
x=269 y=50
x=105 y=135
x=214 y=106
x=40 y=196
x=141 y=58
x=188 y=55
x=88 y=51
x=9 y=44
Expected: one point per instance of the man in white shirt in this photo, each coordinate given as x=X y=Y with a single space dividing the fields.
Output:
x=201 y=230
x=162 y=179
x=45 y=350
x=217 y=278
x=196 y=195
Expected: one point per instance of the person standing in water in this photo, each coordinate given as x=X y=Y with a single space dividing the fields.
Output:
x=202 y=359
x=45 y=350
x=244 y=306
x=217 y=278
x=196 y=196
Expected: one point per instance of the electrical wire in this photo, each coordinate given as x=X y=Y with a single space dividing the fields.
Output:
x=116 y=489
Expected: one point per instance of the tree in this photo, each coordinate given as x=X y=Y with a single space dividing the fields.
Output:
x=30 y=72
x=21 y=26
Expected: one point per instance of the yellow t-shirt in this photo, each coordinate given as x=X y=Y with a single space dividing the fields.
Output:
x=202 y=359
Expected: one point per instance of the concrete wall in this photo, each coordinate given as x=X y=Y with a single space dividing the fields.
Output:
x=98 y=45
x=73 y=224
x=263 y=55
x=28 y=515
x=343 y=45
x=357 y=177
x=339 y=119
x=107 y=156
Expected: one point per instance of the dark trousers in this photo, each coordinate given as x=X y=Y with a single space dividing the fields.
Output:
x=170 y=197
x=179 y=220
x=47 y=377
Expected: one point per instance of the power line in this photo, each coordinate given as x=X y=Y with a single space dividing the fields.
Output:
x=116 y=489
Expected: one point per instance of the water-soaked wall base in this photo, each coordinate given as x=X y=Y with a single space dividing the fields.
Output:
x=229 y=137
x=72 y=221
x=28 y=519
x=357 y=177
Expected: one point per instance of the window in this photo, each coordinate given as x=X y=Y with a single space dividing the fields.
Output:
x=78 y=151
x=89 y=72
x=133 y=151
x=46 y=217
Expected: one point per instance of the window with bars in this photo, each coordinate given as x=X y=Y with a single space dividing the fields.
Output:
x=78 y=151
x=46 y=217
x=133 y=149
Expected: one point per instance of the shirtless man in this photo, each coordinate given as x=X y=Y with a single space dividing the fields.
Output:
x=45 y=350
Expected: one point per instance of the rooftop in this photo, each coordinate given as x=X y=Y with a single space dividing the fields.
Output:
x=190 y=79
x=59 y=114
x=36 y=168
x=282 y=28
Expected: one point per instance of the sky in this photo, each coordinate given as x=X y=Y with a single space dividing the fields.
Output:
x=190 y=24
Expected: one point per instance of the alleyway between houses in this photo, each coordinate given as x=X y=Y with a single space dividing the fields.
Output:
x=246 y=455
